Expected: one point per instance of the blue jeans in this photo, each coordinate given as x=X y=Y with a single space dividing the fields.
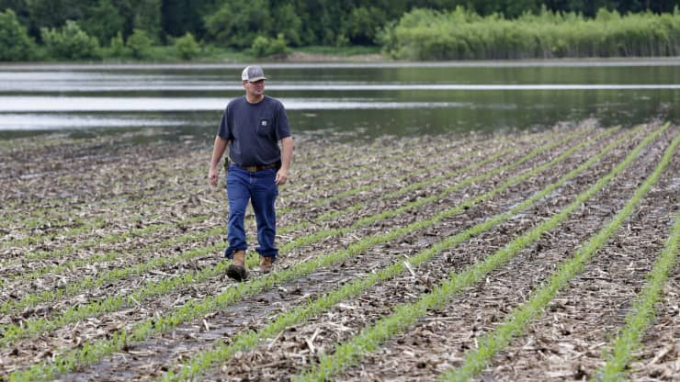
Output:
x=261 y=189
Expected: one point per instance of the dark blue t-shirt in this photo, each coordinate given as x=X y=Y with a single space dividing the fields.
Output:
x=254 y=130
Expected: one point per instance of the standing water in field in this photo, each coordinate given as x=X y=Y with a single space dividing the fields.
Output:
x=387 y=98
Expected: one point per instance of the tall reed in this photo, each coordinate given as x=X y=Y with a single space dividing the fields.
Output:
x=424 y=34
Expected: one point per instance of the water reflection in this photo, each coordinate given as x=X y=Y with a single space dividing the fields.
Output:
x=395 y=98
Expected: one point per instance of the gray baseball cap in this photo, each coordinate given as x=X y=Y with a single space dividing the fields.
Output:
x=253 y=74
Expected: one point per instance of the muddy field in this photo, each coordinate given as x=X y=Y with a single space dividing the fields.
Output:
x=524 y=257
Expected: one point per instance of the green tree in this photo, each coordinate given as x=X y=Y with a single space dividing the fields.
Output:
x=181 y=16
x=103 y=21
x=139 y=44
x=264 y=47
x=117 y=46
x=288 y=23
x=238 y=23
x=20 y=9
x=70 y=42
x=147 y=17
x=187 y=47
x=54 y=13
x=15 y=44
x=364 y=23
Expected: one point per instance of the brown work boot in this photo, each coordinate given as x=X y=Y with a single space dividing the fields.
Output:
x=237 y=269
x=265 y=264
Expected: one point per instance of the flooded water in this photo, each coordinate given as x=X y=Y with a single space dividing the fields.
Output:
x=349 y=100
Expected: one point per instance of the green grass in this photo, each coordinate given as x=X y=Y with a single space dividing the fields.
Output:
x=250 y=339
x=94 y=350
x=405 y=315
x=643 y=311
x=517 y=320
x=339 y=51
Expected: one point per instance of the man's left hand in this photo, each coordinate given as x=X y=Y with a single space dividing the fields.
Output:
x=281 y=177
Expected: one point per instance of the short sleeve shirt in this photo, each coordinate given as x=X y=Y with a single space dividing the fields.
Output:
x=253 y=130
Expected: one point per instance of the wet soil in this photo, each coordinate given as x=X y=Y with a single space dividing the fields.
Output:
x=437 y=342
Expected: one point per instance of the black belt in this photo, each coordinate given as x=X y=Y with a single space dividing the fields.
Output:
x=258 y=168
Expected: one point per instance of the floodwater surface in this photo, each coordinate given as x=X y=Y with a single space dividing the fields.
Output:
x=352 y=100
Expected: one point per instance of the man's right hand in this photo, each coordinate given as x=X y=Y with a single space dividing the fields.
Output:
x=212 y=176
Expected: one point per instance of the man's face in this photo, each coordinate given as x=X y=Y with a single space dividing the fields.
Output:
x=254 y=88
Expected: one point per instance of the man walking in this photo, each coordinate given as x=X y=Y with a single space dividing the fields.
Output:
x=252 y=126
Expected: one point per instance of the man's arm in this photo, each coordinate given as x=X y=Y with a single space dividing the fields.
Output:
x=218 y=150
x=286 y=156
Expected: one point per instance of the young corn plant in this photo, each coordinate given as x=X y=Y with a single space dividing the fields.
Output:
x=245 y=341
x=405 y=315
x=519 y=318
x=196 y=308
x=642 y=312
x=71 y=289
x=33 y=327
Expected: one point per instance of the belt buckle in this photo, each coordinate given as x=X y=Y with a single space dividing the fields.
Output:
x=251 y=168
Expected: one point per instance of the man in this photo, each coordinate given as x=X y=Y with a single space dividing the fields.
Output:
x=252 y=126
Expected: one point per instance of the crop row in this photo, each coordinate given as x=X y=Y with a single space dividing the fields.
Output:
x=143 y=205
x=517 y=319
x=146 y=194
x=248 y=340
x=114 y=237
x=160 y=172
x=405 y=315
x=195 y=308
x=642 y=312
x=154 y=289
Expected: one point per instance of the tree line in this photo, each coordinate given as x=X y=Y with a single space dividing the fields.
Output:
x=88 y=29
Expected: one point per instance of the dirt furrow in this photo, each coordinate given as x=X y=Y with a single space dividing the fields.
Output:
x=139 y=153
x=441 y=340
x=124 y=221
x=306 y=188
x=133 y=243
x=343 y=240
x=408 y=291
x=659 y=357
x=567 y=343
x=310 y=286
x=124 y=286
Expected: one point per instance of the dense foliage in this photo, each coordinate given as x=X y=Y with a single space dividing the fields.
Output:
x=232 y=24
x=15 y=45
x=431 y=35
x=69 y=42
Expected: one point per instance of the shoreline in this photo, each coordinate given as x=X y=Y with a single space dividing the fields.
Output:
x=365 y=60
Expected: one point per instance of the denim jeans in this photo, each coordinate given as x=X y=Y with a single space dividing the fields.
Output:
x=260 y=188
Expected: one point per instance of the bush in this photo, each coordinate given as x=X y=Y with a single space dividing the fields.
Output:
x=117 y=46
x=364 y=23
x=187 y=47
x=139 y=44
x=70 y=42
x=15 y=45
x=236 y=24
x=263 y=46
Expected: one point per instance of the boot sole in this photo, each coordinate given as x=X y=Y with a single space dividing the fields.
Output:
x=237 y=272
